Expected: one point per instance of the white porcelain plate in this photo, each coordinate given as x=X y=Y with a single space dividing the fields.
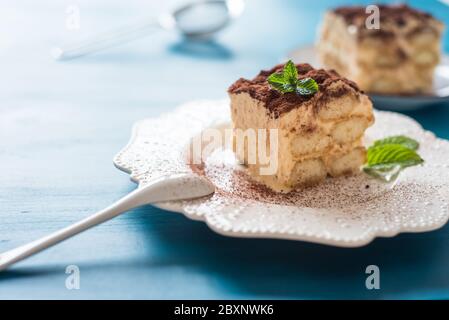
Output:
x=307 y=54
x=347 y=212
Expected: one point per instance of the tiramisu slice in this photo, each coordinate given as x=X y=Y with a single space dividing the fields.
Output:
x=397 y=58
x=320 y=119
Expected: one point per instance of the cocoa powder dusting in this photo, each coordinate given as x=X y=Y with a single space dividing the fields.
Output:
x=278 y=103
x=232 y=182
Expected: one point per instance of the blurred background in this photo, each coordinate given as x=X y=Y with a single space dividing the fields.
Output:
x=153 y=73
x=61 y=122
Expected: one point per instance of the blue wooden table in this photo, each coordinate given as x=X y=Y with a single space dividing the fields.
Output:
x=61 y=124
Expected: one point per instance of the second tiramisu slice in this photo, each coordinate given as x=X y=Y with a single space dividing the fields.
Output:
x=398 y=57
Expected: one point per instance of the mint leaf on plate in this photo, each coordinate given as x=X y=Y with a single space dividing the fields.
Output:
x=386 y=158
x=386 y=173
x=402 y=140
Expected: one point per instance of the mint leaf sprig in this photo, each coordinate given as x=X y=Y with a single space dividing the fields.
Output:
x=386 y=158
x=287 y=81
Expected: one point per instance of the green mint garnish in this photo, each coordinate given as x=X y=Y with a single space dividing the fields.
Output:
x=287 y=81
x=306 y=87
x=386 y=158
x=402 y=140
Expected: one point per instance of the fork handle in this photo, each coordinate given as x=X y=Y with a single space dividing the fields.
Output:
x=155 y=191
x=105 y=40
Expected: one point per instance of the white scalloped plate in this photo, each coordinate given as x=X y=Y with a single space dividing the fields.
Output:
x=340 y=212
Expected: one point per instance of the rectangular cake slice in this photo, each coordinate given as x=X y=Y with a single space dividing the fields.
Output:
x=317 y=135
x=397 y=58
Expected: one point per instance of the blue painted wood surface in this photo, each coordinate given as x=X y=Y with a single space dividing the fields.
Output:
x=61 y=124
